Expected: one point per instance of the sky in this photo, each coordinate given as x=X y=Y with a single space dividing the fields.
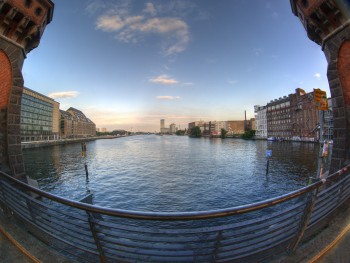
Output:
x=126 y=64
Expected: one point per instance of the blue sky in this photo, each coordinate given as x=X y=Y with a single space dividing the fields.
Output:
x=129 y=63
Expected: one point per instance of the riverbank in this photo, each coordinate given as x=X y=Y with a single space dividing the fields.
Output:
x=37 y=144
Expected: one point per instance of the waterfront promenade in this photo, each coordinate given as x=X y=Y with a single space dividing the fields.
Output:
x=310 y=251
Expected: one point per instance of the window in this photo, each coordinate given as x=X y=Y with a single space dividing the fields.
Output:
x=38 y=11
x=28 y=3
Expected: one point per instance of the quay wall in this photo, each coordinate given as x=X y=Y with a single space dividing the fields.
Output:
x=37 y=144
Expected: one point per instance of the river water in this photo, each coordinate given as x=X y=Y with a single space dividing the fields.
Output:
x=172 y=173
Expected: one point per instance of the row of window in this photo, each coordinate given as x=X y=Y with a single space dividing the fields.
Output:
x=29 y=115
x=36 y=122
x=30 y=129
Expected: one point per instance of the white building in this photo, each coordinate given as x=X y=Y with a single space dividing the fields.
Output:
x=260 y=121
x=172 y=128
x=216 y=126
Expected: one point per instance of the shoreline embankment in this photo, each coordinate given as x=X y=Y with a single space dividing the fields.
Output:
x=37 y=144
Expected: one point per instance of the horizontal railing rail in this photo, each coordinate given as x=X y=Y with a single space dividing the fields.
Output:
x=250 y=232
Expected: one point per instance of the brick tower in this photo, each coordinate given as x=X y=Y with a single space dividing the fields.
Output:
x=327 y=22
x=22 y=23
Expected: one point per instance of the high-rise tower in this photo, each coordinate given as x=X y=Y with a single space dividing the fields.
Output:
x=327 y=22
x=162 y=125
x=22 y=23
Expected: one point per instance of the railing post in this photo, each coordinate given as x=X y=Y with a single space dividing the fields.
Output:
x=93 y=219
x=7 y=210
x=217 y=246
x=92 y=224
x=304 y=219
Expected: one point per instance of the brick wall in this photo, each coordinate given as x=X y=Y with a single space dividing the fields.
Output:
x=11 y=87
x=337 y=51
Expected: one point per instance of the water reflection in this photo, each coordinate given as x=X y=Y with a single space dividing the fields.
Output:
x=170 y=173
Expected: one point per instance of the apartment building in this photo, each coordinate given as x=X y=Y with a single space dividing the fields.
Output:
x=260 y=121
x=304 y=116
x=278 y=114
x=74 y=124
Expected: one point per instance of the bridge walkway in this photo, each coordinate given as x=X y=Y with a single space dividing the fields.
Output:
x=308 y=251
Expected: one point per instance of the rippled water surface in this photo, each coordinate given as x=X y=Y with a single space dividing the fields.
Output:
x=171 y=173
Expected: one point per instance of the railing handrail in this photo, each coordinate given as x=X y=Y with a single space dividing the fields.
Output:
x=178 y=215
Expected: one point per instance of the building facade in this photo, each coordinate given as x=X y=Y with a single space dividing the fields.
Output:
x=74 y=124
x=235 y=127
x=162 y=126
x=172 y=128
x=278 y=114
x=216 y=126
x=39 y=117
x=304 y=116
x=260 y=122
x=328 y=122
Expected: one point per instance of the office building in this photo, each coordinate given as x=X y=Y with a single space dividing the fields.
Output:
x=39 y=117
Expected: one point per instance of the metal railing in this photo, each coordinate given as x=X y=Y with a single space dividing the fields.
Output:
x=248 y=233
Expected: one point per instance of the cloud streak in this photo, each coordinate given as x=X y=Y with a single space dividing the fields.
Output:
x=163 y=80
x=63 y=94
x=172 y=32
x=168 y=97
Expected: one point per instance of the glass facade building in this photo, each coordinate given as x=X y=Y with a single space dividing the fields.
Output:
x=39 y=117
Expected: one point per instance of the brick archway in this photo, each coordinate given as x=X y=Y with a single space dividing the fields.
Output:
x=343 y=70
x=11 y=87
x=337 y=51
x=6 y=79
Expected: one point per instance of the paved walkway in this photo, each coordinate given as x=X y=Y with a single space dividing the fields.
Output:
x=312 y=251
x=339 y=253
x=11 y=253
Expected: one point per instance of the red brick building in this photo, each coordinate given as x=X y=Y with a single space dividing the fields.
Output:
x=22 y=23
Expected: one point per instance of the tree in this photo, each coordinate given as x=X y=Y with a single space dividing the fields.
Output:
x=248 y=134
x=180 y=132
x=196 y=132
x=223 y=133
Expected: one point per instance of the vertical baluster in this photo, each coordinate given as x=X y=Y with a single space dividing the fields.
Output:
x=304 y=219
x=93 y=219
x=217 y=246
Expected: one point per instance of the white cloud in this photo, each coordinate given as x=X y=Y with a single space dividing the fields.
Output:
x=317 y=75
x=63 y=94
x=164 y=80
x=173 y=32
x=168 y=97
x=150 y=9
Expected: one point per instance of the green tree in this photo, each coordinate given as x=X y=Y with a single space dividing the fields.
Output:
x=248 y=134
x=180 y=132
x=196 y=132
x=223 y=133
